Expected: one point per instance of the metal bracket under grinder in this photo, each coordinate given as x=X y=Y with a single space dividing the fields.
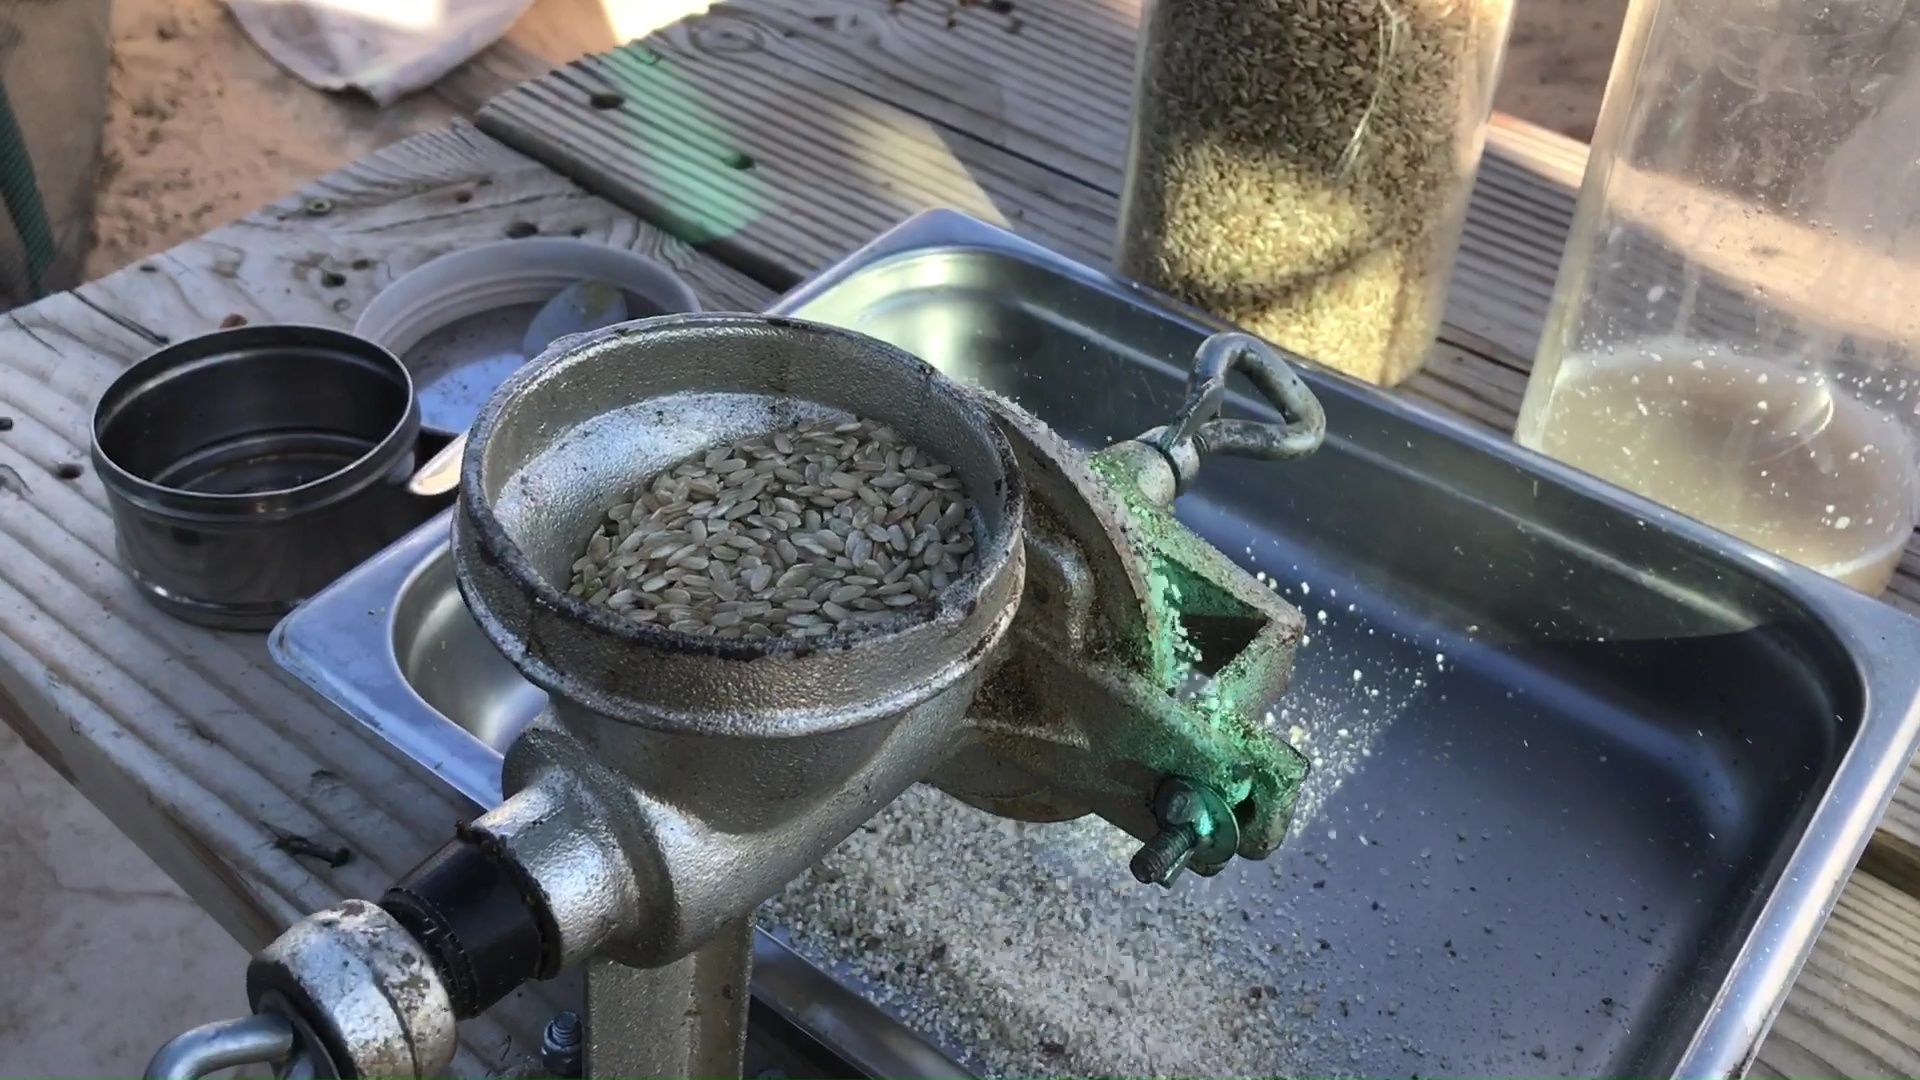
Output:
x=1142 y=658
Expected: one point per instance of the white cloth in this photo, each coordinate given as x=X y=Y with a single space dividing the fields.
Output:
x=385 y=49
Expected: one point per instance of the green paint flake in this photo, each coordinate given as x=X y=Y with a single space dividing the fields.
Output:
x=1174 y=657
x=1179 y=599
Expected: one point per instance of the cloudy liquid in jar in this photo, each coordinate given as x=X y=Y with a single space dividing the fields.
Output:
x=1783 y=459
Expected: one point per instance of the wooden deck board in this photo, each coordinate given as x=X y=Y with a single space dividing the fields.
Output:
x=194 y=742
x=1895 y=854
x=719 y=157
x=1852 y=1012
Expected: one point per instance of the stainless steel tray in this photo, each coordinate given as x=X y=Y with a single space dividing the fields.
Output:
x=1588 y=775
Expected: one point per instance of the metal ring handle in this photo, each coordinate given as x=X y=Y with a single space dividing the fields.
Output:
x=257 y=1039
x=1200 y=425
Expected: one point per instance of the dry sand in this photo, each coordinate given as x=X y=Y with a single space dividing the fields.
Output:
x=205 y=128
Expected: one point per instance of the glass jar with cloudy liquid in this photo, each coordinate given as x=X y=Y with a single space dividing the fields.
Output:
x=1736 y=327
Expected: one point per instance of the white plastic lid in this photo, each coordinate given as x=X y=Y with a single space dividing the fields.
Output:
x=475 y=280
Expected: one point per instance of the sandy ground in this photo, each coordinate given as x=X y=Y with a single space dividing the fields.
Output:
x=204 y=128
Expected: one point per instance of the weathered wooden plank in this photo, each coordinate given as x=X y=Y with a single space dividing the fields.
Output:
x=1895 y=852
x=1853 y=1011
x=1468 y=384
x=1050 y=83
x=719 y=146
x=1549 y=156
x=194 y=742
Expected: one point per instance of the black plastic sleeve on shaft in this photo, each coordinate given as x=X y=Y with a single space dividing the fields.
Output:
x=467 y=907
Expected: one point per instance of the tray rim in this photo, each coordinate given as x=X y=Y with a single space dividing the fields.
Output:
x=1883 y=642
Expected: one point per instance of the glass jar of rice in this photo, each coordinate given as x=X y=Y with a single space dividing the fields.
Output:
x=1301 y=167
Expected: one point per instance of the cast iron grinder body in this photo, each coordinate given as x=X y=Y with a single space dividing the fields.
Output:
x=1099 y=659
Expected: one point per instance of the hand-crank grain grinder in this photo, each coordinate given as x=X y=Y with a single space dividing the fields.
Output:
x=1094 y=656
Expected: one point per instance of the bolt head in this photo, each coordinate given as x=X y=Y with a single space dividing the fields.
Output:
x=1177 y=803
x=560 y=1045
x=1192 y=806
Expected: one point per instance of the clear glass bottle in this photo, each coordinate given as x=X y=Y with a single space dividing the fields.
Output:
x=1302 y=167
x=1734 y=326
